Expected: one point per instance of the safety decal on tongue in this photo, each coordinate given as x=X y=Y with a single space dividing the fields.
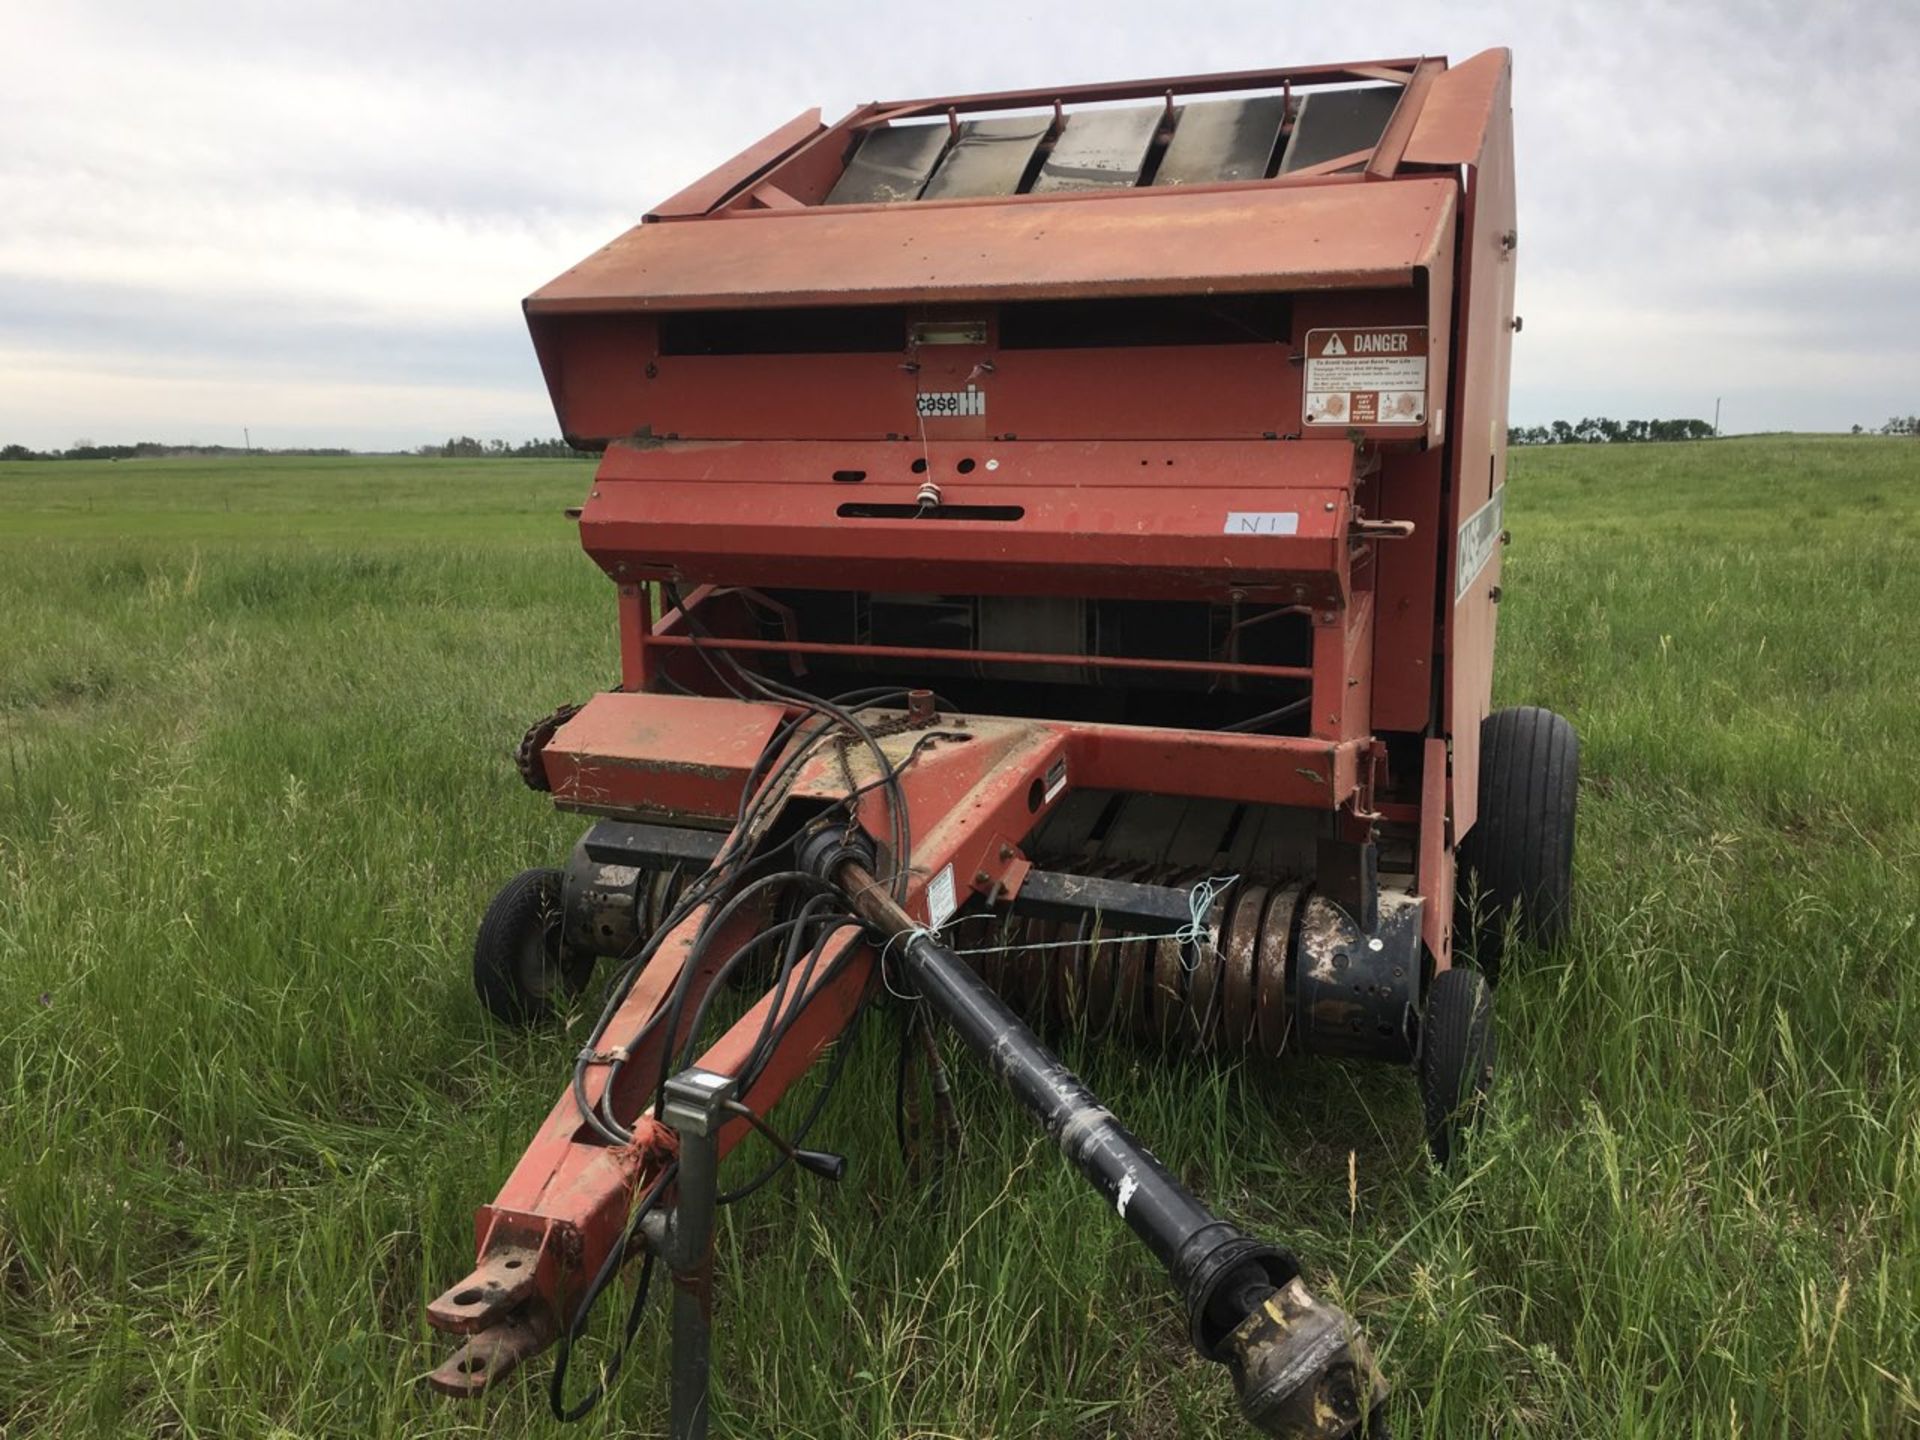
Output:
x=942 y=900
x=1371 y=375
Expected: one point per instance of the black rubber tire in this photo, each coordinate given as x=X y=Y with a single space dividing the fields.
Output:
x=520 y=970
x=1516 y=863
x=1457 y=1050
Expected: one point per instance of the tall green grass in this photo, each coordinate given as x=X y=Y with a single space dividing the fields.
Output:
x=255 y=787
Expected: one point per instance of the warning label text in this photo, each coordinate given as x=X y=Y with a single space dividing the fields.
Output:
x=1371 y=375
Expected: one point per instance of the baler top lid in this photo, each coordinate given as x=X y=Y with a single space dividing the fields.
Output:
x=1350 y=237
x=1236 y=195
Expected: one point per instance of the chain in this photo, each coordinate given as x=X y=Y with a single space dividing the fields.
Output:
x=527 y=757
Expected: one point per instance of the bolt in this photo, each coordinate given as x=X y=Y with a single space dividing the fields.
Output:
x=1494 y=594
x=1329 y=504
x=1006 y=852
x=980 y=877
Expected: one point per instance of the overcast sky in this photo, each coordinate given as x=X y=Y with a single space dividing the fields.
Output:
x=318 y=219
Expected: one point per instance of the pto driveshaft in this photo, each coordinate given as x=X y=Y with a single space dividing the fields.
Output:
x=1300 y=1368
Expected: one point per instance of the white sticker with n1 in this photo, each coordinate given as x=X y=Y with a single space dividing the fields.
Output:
x=1262 y=522
x=1368 y=375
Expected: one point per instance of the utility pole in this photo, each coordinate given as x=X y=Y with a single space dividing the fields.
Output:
x=1716 y=417
x=248 y=434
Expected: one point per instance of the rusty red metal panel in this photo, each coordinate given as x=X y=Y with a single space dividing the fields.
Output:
x=1407 y=574
x=1343 y=669
x=1085 y=519
x=635 y=614
x=1133 y=242
x=1483 y=356
x=1463 y=104
x=1315 y=773
x=1243 y=391
x=710 y=189
x=1123 y=393
x=1434 y=875
x=669 y=756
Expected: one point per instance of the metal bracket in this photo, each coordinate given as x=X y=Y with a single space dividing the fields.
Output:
x=1347 y=872
x=628 y=842
x=1356 y=989
x=1155 y=909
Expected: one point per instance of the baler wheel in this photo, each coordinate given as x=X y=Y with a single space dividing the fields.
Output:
x=1516 y=863
x=1457 y=1048
x=521 y=970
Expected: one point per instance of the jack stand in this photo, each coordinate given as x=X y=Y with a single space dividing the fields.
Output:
x=696 y=1107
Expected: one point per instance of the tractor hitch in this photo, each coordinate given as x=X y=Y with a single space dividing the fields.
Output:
x=1301 y=1370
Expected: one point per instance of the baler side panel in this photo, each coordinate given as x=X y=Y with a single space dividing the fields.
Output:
x=1483 y=351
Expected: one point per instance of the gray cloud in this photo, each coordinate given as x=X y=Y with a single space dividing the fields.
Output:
x=322 y=217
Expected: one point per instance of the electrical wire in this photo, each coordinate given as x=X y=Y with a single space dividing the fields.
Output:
x=756 y=789
x=557 y=1386
x=797 y=1136
x=722 y=892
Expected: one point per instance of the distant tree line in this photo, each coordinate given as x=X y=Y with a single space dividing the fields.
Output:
x=148 y=450
x=1603 y=431
x=468 y=448
x=1898 y=425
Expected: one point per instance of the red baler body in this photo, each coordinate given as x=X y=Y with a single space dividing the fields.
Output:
x=1065 y=440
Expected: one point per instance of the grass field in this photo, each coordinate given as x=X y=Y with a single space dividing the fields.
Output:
x=255 y=788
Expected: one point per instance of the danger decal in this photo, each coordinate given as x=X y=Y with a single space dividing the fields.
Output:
x=1371 y=375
